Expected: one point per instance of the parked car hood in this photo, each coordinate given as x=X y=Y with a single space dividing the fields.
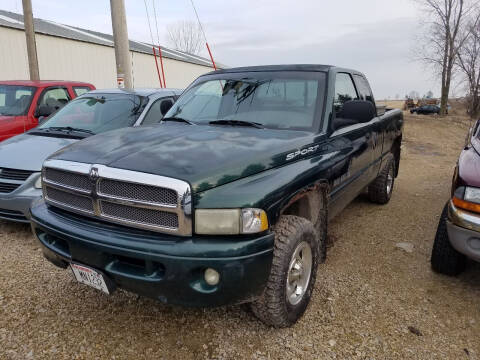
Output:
x=27 y=152
x=205 y=156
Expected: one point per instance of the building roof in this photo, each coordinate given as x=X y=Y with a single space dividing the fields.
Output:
x=42 y=83
x=47 y=27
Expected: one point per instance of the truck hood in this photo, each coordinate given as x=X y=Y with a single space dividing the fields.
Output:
x=205 y=156
x=27 y=152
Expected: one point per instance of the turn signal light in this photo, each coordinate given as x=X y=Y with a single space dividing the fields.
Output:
x=466 y=205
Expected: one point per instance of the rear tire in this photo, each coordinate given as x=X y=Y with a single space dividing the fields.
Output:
x=445 y=259
x=296 y=255
x=381 y=189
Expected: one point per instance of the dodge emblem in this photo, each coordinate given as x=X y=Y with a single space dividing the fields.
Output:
x=94 y=174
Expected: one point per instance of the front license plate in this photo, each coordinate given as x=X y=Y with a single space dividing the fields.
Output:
x=90 y=277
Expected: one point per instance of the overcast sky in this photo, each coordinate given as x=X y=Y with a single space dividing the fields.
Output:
x=373 y=36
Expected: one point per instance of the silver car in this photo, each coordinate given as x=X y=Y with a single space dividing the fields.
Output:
x=22 y=156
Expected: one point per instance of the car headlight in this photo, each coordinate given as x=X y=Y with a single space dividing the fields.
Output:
x=230 y=221
x=472 y=195
x=38 y=182
x=467 y=198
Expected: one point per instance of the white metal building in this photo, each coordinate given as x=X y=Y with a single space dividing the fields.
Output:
x=70 y=53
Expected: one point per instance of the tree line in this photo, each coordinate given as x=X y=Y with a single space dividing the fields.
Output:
x=451 y=45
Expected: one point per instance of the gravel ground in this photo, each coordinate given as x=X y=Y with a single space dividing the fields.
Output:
x=372 y=299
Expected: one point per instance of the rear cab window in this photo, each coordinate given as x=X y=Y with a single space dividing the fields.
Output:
x=365 y=93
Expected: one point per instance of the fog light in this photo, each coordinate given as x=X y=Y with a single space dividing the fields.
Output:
x=212 y=277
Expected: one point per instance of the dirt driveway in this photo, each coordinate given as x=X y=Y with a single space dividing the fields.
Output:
x=372 y=299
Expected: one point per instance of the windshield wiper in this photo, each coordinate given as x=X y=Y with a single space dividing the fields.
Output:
x=237 y=123
x=178 y=119
x=70 y=129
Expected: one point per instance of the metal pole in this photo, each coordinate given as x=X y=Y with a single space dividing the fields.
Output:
x=161 y=63
x=120 y=39
x=30 y=37
x=156 y=64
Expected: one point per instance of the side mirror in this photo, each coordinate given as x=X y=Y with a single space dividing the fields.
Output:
x=360 y=110
x=165 y=106
x=354 y=112
x=44 y=110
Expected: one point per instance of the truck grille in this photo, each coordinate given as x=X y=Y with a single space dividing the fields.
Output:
x=14 y=174
x=74 y=201
x=122 y=196
x=70 y=179
x=140 y=192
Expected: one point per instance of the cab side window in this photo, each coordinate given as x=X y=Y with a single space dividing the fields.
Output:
x=154 y=114
x=54 y=98
x=344 y=91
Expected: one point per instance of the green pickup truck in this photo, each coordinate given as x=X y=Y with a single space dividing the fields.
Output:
x=227 y=200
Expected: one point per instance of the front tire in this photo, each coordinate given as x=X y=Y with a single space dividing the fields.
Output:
x=445 y=259
x=381 y=189
x=296 y=255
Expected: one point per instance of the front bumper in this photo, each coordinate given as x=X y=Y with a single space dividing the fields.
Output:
x=164 y=267
x=15 y=206
x=464 y=231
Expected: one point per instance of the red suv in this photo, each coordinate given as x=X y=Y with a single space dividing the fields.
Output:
x=23 y=102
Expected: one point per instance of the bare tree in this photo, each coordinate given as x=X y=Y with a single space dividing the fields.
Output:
x=469 y=63
x=446 y=34
x=185 y=36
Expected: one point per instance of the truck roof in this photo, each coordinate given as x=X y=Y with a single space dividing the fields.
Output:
x=139 y=91
x=291 y=67
x=42 y=83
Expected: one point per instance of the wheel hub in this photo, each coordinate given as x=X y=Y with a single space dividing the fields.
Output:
x=299 y=271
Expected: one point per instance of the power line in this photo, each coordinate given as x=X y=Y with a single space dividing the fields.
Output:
x=156 y=22
x=148 y=19
x=205 y=36
x=198 y=19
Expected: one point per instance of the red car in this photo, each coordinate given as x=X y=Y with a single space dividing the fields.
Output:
x=23 y=102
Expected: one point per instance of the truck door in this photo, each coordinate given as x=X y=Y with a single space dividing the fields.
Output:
x=354 y=141
x=377 y=126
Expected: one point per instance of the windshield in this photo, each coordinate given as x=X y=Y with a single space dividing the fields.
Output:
x=15 y=100
x=279 y=100
x=98 y=113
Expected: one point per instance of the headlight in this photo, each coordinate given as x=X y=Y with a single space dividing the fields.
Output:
x=38 y=183
x=472 y=195
x=467 y=198
x=230 y=221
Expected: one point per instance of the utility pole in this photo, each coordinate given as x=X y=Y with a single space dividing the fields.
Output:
x=30 y=37
x=120 y=40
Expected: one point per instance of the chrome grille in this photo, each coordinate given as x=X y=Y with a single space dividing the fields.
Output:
x=135 y=191
x=139 y=215
x=78 y=202
x=127 y=197
x=69 y=179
